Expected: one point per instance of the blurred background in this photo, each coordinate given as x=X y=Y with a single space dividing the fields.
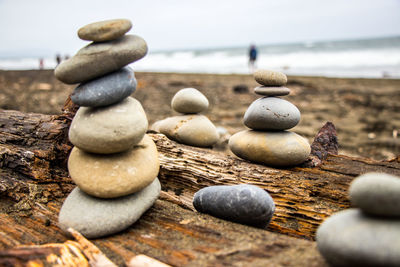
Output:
x=343 y=38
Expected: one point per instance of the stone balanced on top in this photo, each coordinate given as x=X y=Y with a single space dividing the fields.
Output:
x=191 y=128
x=368 y=235
x=114 y=163
x=269 y=117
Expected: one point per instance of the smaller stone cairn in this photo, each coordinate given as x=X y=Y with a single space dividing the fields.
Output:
x=268 y=142
x=114 y=163
x=369 y=234
x=191 y=128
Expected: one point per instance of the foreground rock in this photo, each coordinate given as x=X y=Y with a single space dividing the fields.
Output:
x=97 y=59
x=110 y=129
x=106 y=30
x=107 y=90
x=194 y=130
x=377 y=194
x=351 y=238
x=246 y=204
x=95 y=217
x=281 y=148
x=115 y=175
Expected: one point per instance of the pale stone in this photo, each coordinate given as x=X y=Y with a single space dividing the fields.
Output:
x=376 y=194
x=351 y=238
x=106 y=30
x=115 y=175
x=193 y=130
x=270 y=148
x=110 y=129
x=97 y=59
x=96 y=217
x=270 y=78
x=188 y=101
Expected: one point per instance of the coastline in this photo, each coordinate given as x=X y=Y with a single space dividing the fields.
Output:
x=364 y=110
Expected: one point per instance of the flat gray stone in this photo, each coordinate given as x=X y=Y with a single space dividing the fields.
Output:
x=271 y=91
x=106 y=90
x=193 y=130
x=106 y=30
x=96 y=217
x=351 y=238
x=271 y=113
x=112 y=129
x=270 y=78
x=246 y=204
x=189 y=101
x=98 y=59
x=376 y=194
x=270 y=148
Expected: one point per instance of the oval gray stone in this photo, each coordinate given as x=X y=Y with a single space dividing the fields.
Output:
x=97 y=59
x=272 y=91
x=192 y=130
x=189 y=101
x=96 y=217
x=270 y=148
x=109 y=89
x=106 y=30
x=351 y=238
x=270 y=78
x=246 y=204
x=376 y=194
x=271 y=113
x=111 y=129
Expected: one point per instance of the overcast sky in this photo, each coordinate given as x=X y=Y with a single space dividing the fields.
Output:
x=44 y=27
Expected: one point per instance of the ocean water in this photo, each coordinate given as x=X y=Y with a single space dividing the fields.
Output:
x=370 y=58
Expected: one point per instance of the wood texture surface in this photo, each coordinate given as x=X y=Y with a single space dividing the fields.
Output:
x=34 y=182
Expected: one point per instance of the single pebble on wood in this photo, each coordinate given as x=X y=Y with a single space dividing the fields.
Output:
x=246 y=204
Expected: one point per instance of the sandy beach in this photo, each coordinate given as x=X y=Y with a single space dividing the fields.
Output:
x=364 y=111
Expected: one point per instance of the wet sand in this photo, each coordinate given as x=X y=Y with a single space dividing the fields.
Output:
x=366 y=112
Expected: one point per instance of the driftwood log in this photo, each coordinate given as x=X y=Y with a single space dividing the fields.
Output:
x=34 y=182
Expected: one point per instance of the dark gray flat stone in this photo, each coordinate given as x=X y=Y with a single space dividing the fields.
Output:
x=95 y=217
x=109 y=89
x=245 y=204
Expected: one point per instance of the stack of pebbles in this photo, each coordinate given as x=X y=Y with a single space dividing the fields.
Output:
x=191 y=128
x=269 y=117
x=368 y=235
x=114 y=163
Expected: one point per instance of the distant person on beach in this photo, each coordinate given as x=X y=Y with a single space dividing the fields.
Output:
x=66 y=57
x=252 y=57
x=58 y=59
x=41 y=63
